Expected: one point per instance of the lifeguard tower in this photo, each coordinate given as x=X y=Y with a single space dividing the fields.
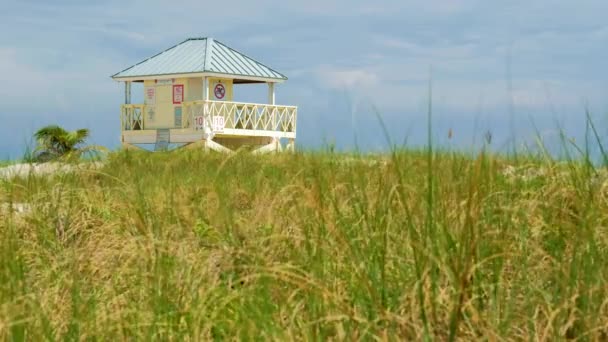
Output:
x=189 y=99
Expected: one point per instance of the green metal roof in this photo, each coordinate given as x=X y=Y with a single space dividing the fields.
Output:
x=198 y=55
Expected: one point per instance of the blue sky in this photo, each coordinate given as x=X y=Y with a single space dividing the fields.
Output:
x=495 y=64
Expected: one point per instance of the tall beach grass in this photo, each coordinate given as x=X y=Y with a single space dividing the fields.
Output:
x=415 y=244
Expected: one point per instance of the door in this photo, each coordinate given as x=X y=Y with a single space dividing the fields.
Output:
x=177 y=114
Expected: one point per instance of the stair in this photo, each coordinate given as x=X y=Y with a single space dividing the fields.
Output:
x=162 y=140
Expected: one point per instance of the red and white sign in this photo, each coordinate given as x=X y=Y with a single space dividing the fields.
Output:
x=199 y=122
x=219 y=92
x=150 y=93
x=178 y=93
x=217 y=123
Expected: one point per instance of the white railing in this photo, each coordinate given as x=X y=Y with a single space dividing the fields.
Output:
x=132 y=117
x=242 y=116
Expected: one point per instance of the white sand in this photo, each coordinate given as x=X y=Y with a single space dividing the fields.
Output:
x=42 y=169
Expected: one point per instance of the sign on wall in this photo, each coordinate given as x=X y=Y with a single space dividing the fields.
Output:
x=164 y=82
x=219 y=91
x=150 y=110
x=178 y=93
x=199 y=122
x=150 y=96
x=217 y=123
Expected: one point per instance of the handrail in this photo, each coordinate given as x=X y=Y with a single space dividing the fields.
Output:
x=233 y=115
x=239 y=103
x=241 y=115
x=132 y=117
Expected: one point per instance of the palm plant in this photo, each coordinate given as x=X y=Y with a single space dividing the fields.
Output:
x=55 y=142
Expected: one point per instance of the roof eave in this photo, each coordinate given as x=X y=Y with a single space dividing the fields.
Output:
x=198 y=74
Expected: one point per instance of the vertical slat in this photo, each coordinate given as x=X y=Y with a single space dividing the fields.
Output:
x=236 y=115
x=271 y=93
x=205 y=88
x=122 y=118
x=128 y=92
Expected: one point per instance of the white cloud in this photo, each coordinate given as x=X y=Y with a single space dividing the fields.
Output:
x=348 y=79
x=431 y=50
x=33 y=89
x=20 y=78
x=397 y=43
x=405 y=88
x=260 y=40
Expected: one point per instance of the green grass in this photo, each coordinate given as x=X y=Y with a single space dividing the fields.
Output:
x=308 y=246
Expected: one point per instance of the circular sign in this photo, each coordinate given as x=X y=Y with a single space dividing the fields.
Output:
x=219 y=91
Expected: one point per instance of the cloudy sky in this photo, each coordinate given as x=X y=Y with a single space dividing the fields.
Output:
x=498 y=66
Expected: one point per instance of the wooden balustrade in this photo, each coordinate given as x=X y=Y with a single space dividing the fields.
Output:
x=229 y=118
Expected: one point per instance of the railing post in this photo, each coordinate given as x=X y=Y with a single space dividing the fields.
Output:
x=205 y=88
x=294 y=118
x=207 y=113
x=128 y=92
x=142 y=110
x=271 y=94
x=125 y=113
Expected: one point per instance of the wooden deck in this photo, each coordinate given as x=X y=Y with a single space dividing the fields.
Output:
x=218 y=118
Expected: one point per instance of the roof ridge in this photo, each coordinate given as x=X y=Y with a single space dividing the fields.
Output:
x=208 y=54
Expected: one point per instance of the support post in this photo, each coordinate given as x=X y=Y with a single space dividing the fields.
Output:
x=131 y=147
x=205 y=88
x=128 y=92
x=207 y=145
x=205 y=96
x=291 y=145
x=271 y=94
x=211 y=145
x=273 y=146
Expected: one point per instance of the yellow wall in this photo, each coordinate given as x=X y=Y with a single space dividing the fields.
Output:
x=161 y=114
x=195 y=89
